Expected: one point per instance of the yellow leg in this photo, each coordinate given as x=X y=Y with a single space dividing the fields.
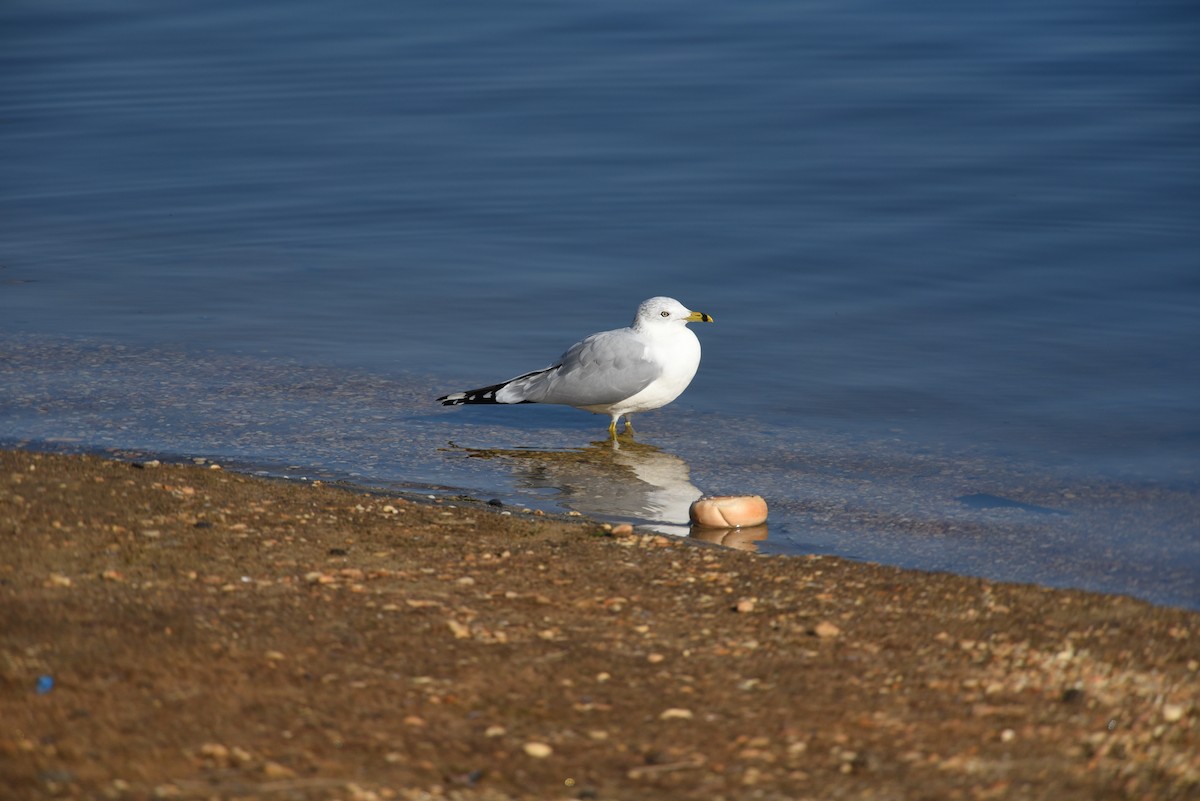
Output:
x=612 y=428
x=628 y=424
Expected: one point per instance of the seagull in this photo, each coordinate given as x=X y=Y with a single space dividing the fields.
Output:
x=618 y=372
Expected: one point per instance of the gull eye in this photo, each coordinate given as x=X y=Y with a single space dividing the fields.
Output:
x=664 y=313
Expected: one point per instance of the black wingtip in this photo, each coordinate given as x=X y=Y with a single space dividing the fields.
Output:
x=482 y=395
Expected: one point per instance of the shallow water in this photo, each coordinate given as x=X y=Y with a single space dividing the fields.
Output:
x=951 y=252
x=885 y=499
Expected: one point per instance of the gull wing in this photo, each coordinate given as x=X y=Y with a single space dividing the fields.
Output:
x=604 y=368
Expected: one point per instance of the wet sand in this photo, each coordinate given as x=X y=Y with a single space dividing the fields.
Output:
x=185 y=632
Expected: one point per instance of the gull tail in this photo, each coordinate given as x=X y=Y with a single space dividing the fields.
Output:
x=488 y=394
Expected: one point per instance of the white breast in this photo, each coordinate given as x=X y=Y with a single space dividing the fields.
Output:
x=678 y=351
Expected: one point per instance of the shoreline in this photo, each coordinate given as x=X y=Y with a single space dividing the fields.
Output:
x=745 y=539
x=211 y=634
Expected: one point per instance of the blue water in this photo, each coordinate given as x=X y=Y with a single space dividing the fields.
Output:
x=950 y=250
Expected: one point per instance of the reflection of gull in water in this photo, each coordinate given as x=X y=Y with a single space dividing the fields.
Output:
x=670 y=491
x=626 y=481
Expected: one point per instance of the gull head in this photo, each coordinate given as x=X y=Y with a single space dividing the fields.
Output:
x=666 y=311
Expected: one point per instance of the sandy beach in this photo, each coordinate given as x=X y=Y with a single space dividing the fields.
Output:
x=181 y=631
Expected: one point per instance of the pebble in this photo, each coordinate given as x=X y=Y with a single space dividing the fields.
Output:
x=676 y=713
x=825 y=629
x=273 y=770
x=538 y=750
x=1172 y=713
x=217 y=752
x=623 y=530
x=746 y=605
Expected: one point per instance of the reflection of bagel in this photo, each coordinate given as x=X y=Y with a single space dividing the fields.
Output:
x=743 y=539
x=729 y=511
